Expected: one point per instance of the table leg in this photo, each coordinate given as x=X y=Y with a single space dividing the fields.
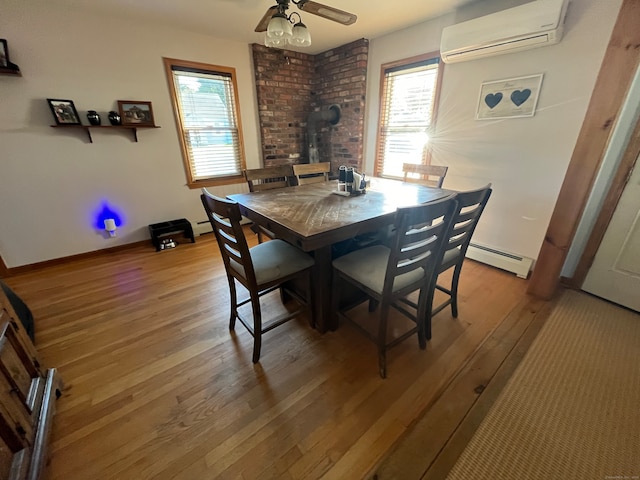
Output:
x=321 y=285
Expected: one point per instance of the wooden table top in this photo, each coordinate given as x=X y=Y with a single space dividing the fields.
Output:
x=312 y=217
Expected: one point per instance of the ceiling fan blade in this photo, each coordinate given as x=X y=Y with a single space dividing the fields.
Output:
x=327 y=12
x=264 y=22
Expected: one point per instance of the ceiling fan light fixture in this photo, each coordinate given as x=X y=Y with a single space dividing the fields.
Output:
x=333 y=15
x=274 y=42
x=301 y=36
x=279 y=27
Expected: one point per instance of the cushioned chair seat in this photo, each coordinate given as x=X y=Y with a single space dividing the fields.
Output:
x=387 y=275
x=273 y=260
x=369 y=265
x=260 y=270
x=451 y=256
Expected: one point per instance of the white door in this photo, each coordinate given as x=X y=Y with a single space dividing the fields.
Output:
x=615 y=273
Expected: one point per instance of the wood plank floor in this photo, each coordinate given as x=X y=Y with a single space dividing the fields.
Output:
x=156 y=386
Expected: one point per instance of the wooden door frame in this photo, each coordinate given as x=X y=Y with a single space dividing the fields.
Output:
x=618 y=68
x=4 y=271
x=609 y=206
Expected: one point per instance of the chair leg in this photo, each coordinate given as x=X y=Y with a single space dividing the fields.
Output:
x=257 y=327
x=335 y=298
x=421 y=314
x=233 y=303
x=428 y=308
x=454 y=290
x=373 y=304
x=309 y=298
x=382 y=340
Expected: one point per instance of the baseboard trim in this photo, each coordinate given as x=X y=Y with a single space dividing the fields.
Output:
x=7 y=272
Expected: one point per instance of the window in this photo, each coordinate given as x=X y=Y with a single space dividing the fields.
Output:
x=205 y=100
x=409 y=97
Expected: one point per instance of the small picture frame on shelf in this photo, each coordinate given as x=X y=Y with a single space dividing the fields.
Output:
x=64 y=112
x=135 y=112
x=4 y=54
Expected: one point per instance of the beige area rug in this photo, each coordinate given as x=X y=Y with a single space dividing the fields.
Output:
x=572 y=408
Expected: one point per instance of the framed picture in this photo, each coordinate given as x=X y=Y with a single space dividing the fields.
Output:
x=513 y=97
x=64 y=112
x=135 y=112
x=4 y=54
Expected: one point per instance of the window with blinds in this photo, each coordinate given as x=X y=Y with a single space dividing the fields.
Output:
x=206 y=105
x=409 y=94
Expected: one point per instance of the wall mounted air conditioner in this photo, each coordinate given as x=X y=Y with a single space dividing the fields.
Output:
x=535 y=24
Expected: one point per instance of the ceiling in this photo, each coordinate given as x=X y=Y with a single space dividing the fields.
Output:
x=236 y=19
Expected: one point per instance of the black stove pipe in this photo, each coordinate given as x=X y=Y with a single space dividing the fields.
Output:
x=331 y=115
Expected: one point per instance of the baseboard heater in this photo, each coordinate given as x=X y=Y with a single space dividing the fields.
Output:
x=510 y=262
x=200 y=228
x=521 y=266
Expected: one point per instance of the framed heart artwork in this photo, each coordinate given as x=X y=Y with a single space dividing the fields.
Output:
x=513 y=97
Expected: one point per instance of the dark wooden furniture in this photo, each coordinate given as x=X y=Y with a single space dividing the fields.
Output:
x=163 y=229
x=267 y=178
x=470 y=207
x=10 y=71
x=387 y=275
x=261 y=269
x=312 y=172
x=87 y=128
x=312 y=218
x=27 y=399
x=425 y=172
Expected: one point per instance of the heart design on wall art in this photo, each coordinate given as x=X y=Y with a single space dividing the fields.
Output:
x=520 y=96
x=509 y=98
x=492 y=100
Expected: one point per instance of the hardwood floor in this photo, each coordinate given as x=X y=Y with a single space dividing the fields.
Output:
x=156 y=386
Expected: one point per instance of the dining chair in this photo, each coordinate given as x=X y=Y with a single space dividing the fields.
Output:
x=470 y=207
x=425 y=174
x=260 y=269
x=387 y=275
x=312 y=172
x=267 y=178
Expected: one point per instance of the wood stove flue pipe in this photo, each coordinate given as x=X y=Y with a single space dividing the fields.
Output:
x=331 y=115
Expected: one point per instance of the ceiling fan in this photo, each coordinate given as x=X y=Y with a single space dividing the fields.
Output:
x=276 y=20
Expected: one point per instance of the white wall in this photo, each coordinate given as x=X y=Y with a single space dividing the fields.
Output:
x=52 y=182
x=524 y=158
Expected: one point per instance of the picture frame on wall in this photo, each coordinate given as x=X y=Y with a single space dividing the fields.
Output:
x=64 y=112
x=509 y=98
x=4 y=54
x=135 y=112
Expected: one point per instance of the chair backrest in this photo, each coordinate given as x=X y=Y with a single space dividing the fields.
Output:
x=312 y=172
x=425 y=174
x=421 y=232
x=268 y=178
x=470 y=207
x=225 y=217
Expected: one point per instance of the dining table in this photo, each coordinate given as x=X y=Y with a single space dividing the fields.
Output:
x=314 y=218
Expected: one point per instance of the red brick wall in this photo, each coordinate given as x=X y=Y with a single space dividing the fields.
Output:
x=290 y=85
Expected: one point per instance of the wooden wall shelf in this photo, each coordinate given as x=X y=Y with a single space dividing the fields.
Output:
x=87 y=128
x=10 y=71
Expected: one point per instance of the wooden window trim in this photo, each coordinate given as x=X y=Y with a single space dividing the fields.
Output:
x=210 y=182
x=427 y=155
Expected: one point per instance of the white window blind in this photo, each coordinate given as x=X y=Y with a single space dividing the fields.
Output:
x=407 y=114
x=209 y=122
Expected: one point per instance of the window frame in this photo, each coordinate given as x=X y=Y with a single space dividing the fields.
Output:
x=396 y=65
x=169 y=64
